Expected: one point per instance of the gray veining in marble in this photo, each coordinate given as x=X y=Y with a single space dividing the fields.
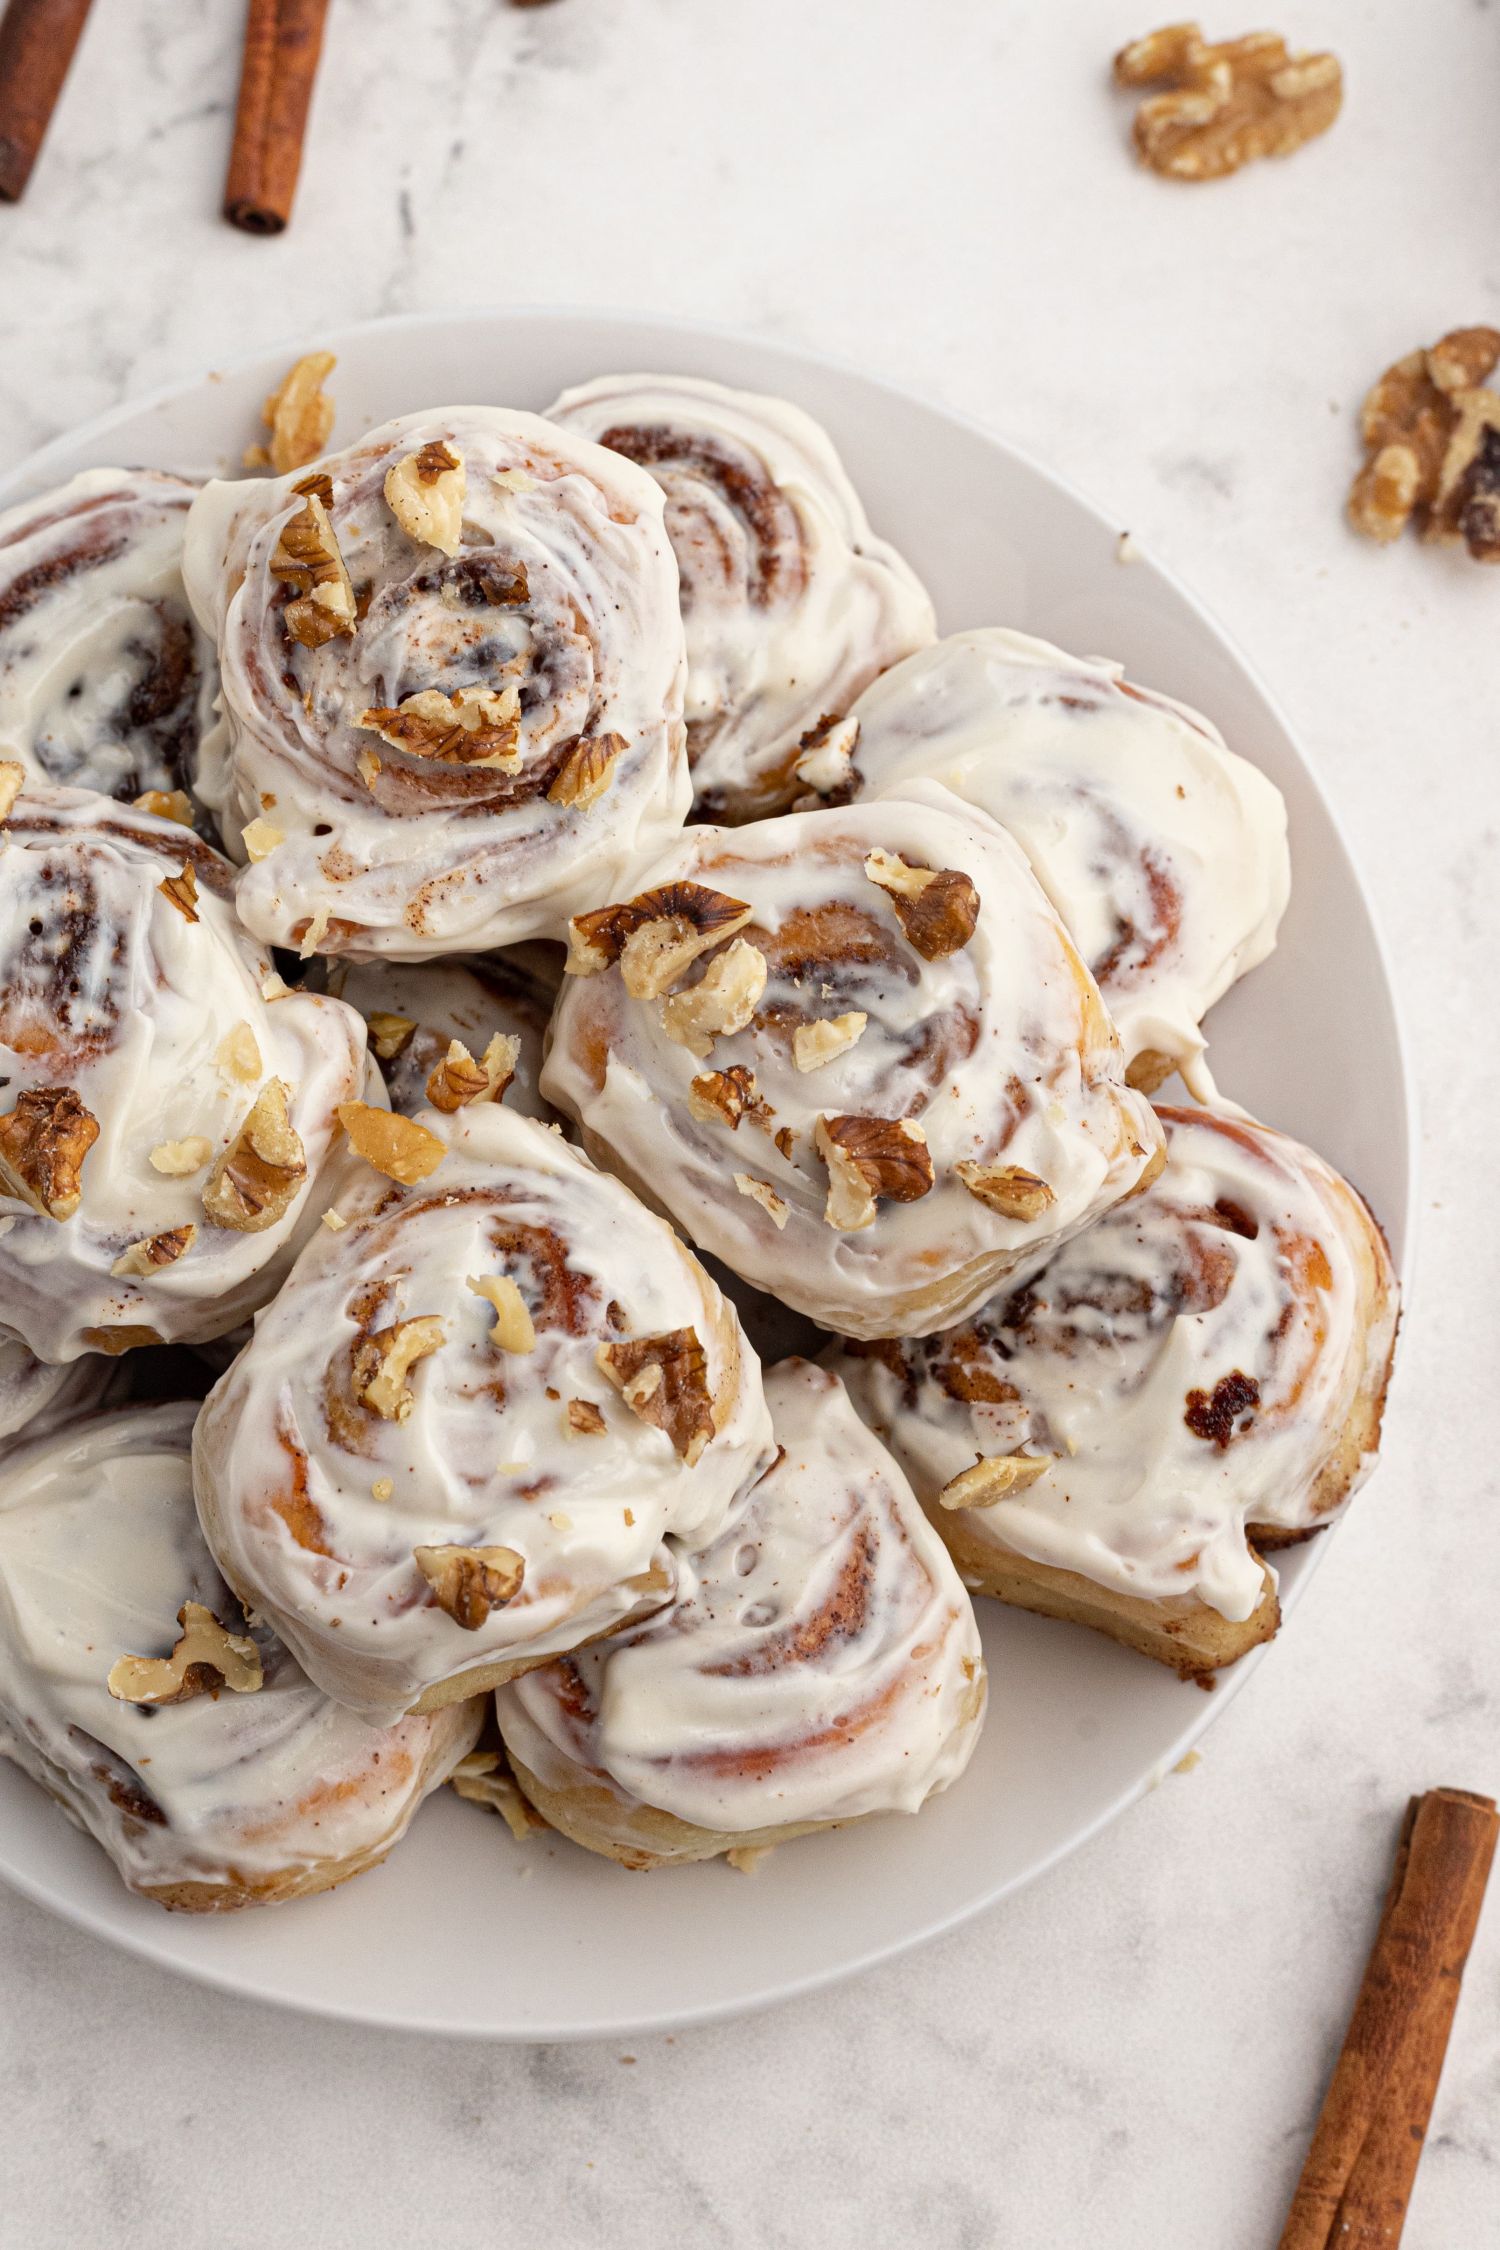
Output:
x=1130 y=2055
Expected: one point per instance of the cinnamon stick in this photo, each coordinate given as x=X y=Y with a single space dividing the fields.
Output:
x=283 y=40
x=37 y=39
x=1358 y=2176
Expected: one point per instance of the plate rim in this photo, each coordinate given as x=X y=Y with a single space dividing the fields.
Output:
x=42 y=466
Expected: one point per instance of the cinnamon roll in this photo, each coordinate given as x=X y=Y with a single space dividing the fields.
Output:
x=37 y=1396
x=854 y=1054
x=106 y=682
x=449 y=1032
x=1164 y=853
x=452 y=680
x=1198 y=1380
x=461 y=1436
x=820 y=1664
x=178 y=1732
x=791 y=603
x=167 y=1104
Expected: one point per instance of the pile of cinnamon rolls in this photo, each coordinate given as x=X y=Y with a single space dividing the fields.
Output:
x=490 y=922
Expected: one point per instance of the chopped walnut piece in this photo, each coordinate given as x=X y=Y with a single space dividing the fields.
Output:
x=513 y=1329
x=164 y=804
x=458 y=1079
x=368 y=766
x=238 y=1055
x=43 y=1142
x=728 y=1094
x=721 y=1002
x=129 y=1337
x=334 y=1220
x=389 y=1035
x=178 y=1160
x=299 y=416
x=314 y=932
x=760 y=1191
x=585 y=1419
x=155 y=1251
x=814 y=1044
x=871 y=1160
x=1008 y=1189
x=470 y=1582
x=12 y=782
x=994 y=1478
x=261 y=1173
x=182 y=890
x=425 y=494
x=587 y=771
x=471 y=727
x=306 y=557
x=396 y=1146
x=1411 y=424
x=707 y=916
x=825 y=759
x=482 y=1779
x=664 y=1380
x=205 y=1658
x=260 y=839
x=1225 y=104
x=936 y=907
x=383 y=1360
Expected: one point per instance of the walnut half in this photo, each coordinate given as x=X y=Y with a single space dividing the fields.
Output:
x=1426 y=432
x=43 y=1142
x=470 y=1582
x=1225 y=104
x=664 y=1379
x=206 y=1657
x=938 y=908
x=871 y=1160
x=263 y=1170
x=676 y=921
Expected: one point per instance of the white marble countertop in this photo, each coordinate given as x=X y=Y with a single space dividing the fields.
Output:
x=1132 y=2053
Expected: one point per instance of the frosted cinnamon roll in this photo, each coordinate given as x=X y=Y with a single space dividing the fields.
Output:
x=38 y=1397
x=855 y=1055
x=791 y=603
x=106 y=682
x=446 y=1033
x=820 y=1664
x=179 y=1733
x=168 y=1105
x=460 y=1439
x=453 y=673
x=1164 y=853
x=1197 y=1380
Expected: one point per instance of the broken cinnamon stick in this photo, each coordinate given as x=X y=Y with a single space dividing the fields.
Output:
x=37 y=39
x=1358 y=2176
x=283 y=40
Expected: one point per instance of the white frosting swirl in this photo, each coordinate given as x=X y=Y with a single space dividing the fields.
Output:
x=1210 y=1359
x=1164 y=853
x=106 y=682
x=315 y=1502
x=791 y=603
x=155 y=1015
x=271 y=1790
x=561 y=587
x=821 y=1661
x=999 y=1053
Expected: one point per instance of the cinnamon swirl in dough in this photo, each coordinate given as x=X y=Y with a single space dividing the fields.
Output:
x=1198 y=1379
x=434 y=1026
x=791 y=603
x=460 y=1438
x=820 y=1664
x=855 y=1055
x=168 y=1104
x=181 y=1735
x=106 y=682
x=453 y=673
x=1164 y=853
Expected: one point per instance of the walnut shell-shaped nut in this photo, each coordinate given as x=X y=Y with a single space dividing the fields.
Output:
x=425 y=494
x=260 y=1174
x=664 y=1380
x=306 y=558
x=937 y=907
x=728 y=1094
x=871 y=1160
x=470 y=727
x=691 y=910
x=43 y=1142
x=206 y=1657
x=1008 y=1189
x=586 y=772
x=470 y=1582
x=459 y=1079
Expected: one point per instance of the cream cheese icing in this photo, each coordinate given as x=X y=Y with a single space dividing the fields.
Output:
x=548 y=602
x=790 y=601
x=315 y=1501
x=99 y=1549
x=820 y=1661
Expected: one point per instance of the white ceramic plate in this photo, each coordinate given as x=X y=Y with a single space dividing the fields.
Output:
x=574 y=1947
